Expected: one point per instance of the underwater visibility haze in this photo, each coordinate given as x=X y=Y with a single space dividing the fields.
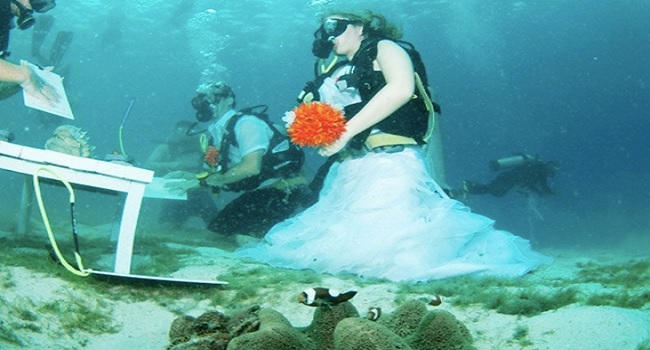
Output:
x=564 y=80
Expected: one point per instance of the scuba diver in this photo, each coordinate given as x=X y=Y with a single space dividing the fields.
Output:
x=521 y=170
x=247 y=153
x=15 y=77
x=334 y=83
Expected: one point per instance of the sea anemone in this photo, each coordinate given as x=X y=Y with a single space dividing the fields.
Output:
x=316 y=124
x=211 y=156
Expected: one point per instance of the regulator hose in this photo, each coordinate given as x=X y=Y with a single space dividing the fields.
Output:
x=79 y=271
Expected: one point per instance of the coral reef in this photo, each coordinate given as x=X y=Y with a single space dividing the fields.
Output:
x=362 y=334
x=70 y=140
x=338 y=327
x=404 y=321
x=275 y=332
x=211 y=330
x=321 y=329
x=440 y=330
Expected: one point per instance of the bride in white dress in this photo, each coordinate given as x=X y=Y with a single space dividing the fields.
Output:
x=380 y=213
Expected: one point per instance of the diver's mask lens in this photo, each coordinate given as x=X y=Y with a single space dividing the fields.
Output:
x=200 y=101
x=41 y=6
x=334 y=27
x=203 y=108
x=25 y=16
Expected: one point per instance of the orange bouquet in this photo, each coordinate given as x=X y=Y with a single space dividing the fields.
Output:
x=211 y=156
x=316 y=124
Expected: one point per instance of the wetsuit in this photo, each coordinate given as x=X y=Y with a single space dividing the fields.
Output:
x=532 y=175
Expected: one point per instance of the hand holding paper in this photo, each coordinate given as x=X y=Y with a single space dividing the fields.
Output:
x=35 y=85
x=44 y=91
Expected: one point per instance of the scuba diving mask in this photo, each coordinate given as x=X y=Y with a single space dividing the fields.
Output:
x=26 y=16
x=323 y=36
x=207 y=99
x=334 y=27
x=204 y=108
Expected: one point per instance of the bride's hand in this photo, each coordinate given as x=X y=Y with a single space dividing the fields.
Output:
x=336 y=146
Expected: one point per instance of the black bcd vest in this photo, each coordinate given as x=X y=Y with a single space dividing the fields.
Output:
x=282 y=159
x=411 y=119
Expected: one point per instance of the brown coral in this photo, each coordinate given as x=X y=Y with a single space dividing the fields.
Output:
x=181 y=330
x=244 y=322
x=440 y=330
x=275 y=333
x=338 y=327
x=405 y=320
x=210 y=322
x=70 y=140
x=363 y=334
x=321 y=329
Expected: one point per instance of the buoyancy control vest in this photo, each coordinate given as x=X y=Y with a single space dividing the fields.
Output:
x=410 y=120
x=282 y=159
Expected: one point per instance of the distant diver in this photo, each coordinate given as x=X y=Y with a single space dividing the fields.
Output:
x=521 y=170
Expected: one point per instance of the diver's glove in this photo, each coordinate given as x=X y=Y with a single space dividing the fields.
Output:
x=309 y=93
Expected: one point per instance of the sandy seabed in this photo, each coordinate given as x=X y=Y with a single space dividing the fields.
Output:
x=145 y=324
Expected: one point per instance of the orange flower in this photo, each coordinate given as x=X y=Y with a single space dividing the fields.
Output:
x=211 y=156
x=316 y=124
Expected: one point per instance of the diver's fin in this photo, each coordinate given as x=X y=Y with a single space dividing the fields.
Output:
x=60 y=46
x=41 y=27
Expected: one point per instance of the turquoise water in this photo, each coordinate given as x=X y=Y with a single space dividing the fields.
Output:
x=565 y=80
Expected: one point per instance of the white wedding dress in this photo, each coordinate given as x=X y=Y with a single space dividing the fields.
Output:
x=381 y=216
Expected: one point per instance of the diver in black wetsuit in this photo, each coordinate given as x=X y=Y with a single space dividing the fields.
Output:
x=524 y=171
x=21 y=76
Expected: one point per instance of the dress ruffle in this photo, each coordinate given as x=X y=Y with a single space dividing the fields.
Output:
x=381 y=216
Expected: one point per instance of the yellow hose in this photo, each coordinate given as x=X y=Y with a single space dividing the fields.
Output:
x=37 y=189
x=429 y=105
x=204 y=142
x=119 y=135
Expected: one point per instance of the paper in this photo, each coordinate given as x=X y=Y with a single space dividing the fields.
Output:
x=61 y=107
x=157 y=189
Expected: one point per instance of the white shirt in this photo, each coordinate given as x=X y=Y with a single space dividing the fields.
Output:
x=251 y=133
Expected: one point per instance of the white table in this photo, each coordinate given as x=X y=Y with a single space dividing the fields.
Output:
x=88 y=172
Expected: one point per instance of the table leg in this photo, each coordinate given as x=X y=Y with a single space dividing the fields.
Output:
x=126 y=237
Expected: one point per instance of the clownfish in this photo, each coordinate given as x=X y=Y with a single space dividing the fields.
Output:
x=374 y=313
x=324 y=296
x=436 y=300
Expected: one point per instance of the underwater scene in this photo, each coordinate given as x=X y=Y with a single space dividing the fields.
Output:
x=94 y=256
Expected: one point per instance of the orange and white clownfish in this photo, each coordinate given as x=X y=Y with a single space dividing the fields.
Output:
x=436 y=300
x=324 y=296
x=374 y=313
